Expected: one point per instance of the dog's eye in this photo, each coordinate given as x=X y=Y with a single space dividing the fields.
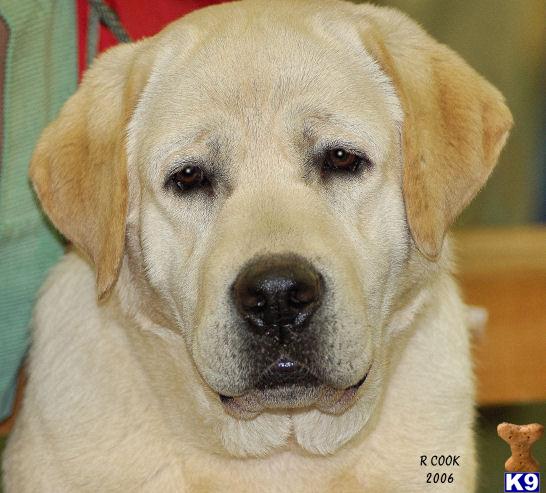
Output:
x=340 y=159
x=189 y=177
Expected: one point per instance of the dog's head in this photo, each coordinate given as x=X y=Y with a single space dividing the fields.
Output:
x=274 y=180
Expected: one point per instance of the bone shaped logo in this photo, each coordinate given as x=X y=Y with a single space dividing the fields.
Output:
x=520 y=438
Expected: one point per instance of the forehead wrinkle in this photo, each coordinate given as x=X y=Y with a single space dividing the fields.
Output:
x=185 y=139
x=199 y=144
x=253 y=105
x=322 y=125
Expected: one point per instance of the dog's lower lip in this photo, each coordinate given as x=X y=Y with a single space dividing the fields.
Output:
x=356 y=386
x=359 y=383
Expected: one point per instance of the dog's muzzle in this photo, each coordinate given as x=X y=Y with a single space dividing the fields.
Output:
x=276 y=298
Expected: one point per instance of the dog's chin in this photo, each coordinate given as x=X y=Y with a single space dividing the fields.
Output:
x=291 y=398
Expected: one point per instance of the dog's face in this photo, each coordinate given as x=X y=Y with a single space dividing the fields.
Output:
x=270 y=213
x=288 y=172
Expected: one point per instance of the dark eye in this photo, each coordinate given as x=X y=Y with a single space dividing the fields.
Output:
x=340 y=159
x=189 y=177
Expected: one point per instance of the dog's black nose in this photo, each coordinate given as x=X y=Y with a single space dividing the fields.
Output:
x=277 y=293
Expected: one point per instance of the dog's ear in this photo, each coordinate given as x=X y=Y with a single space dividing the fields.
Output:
x=455 y=123
x=78 y=168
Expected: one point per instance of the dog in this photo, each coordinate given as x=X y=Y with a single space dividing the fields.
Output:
x=260 y=295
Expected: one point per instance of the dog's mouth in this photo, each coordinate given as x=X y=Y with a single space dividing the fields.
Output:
x=287 y=384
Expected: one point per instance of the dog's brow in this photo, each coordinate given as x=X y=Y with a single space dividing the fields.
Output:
x=315 y=121
x=321 y=129
x=193 y=145
x=187 y=142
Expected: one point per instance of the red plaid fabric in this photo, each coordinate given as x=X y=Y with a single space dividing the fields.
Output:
x=140 y=18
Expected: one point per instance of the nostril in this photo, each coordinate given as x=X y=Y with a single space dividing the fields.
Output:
x=253 y=301
x=303 y=294
x=296 y=298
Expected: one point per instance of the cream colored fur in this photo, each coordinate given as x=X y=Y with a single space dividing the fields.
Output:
x=122 y=392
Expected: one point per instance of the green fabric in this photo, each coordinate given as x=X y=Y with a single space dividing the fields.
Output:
x=41 y=73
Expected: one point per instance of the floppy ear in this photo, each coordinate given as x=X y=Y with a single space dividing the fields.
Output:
x=78 y=168
x=455 y=123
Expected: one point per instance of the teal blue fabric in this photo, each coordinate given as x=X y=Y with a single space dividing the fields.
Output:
x=40 y=74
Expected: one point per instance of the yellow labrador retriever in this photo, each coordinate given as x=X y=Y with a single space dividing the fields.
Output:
x=261 y=297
